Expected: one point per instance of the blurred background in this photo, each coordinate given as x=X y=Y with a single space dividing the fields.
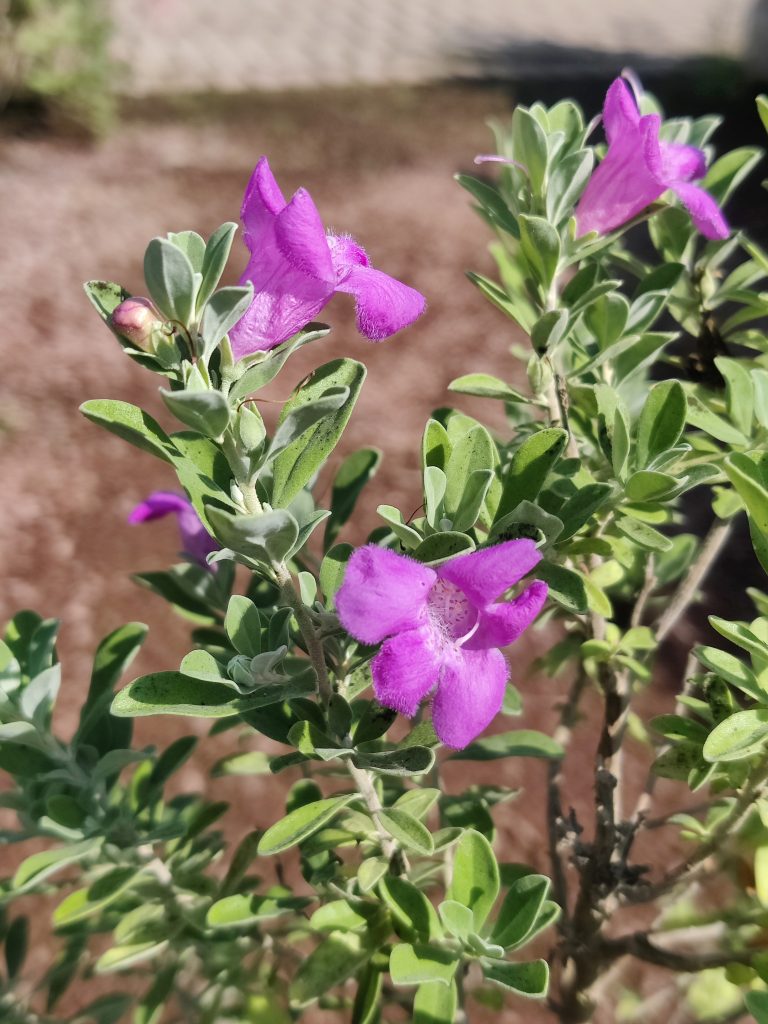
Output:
x=124 y=120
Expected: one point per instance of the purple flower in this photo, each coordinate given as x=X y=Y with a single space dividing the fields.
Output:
x=195 y=540
x=444 y=628
x=638 y=168
x=296 y=268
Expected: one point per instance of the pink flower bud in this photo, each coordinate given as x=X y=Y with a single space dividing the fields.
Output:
x=136 y=320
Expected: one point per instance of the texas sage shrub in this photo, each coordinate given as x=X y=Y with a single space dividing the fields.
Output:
x=647 y=389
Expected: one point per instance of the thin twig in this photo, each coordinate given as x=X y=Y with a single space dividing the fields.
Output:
x=307 y=627
x=360 y=777
x=562 y=735
x=694 y=866
x=640 y=946
x=645 y=799
x=692 y=809
x=649 y=582
x=624 y=692
x=367 y=790
x=686 y=592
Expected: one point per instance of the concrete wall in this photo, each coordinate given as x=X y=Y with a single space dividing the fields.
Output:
x=239 y=45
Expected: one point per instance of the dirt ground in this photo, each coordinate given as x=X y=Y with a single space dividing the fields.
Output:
x=379 y=165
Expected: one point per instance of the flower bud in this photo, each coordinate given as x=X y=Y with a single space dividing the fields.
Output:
x=239 y=671
x=136 y=320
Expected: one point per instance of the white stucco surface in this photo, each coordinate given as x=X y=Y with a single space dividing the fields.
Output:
x=238 y=45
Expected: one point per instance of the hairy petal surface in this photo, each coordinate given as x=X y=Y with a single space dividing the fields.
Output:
x=682 y=163
x=621 y=186
x=262 y=202
x=383 y=593
x=292 y=276
x=620 y=113
x=469 y=695
x=383 y=304
x=501 y=624
x=406 y=668
x=705 y=213
x=301 y=238
x=484 y=575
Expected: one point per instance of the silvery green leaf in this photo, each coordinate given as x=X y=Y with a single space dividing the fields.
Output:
x=265 y=536
x=170 y=279
x=306 y=529
x=250 y=429
x=264 y=666
x=566 y=183
x=434 y=492
x=540 y=244
x=298 y=463
x=529 y=145
x=527 y=515
x=37 y=699
x=302 y=823
x=262 y=367
x=475 y=879
x=422 y=964
x=737 y=737
x=410 y=761
x=470 y=506
x=191 y=244
x=204 y=411
x=299 y=419
x=221 y=313
x=130 y=423
x=214 y=260
x=243 y=625
x=527 y=979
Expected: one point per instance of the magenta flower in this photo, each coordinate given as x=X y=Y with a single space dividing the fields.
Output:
x=444 y=628
x=296 y=268
x=638 y=168
x=195 y=540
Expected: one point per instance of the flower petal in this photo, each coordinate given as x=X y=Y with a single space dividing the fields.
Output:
x=262 y=202
x=705 y=213
x=501 y=624
x=302 y=240
x=384 y=304
x=624 y=183
x=619 y=110
x=469 y=695
x=682 y=163
x=285 y=300
x=196 y=542
x=406 y=668
x=157 y=505
x=195 y=539
x=650 y=146
x=345 y=254
x=484 y=575
x=383 y=593
x=292 y=276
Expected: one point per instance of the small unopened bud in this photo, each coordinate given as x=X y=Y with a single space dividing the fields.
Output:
x=136 y=320
x=250 y=427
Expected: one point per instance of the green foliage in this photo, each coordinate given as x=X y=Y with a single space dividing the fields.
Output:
x=57 y=52
x=403 y=902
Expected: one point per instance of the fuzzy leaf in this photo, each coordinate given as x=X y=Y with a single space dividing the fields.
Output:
x=302 y=823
